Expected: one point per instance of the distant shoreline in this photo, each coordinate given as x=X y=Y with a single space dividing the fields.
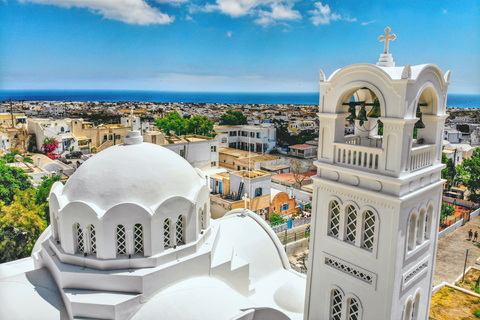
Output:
x=460 y=101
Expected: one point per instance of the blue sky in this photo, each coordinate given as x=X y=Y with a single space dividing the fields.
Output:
x=227 y=45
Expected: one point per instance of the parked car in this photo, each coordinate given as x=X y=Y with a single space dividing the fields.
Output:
x=64 y=160
x=74 y=155
x=53 y=156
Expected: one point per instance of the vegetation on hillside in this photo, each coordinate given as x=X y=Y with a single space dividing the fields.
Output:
x=233 y=118
x=182 y=126
x=24 y=212
x=468 y=173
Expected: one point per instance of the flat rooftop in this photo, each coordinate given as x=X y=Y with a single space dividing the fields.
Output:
x=251 y=174
x=275 y=167
x=186 y=139
x=243 y=155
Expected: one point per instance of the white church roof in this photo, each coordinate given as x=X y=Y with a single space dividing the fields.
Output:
x=142 y=173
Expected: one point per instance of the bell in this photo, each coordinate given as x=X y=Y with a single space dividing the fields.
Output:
x=419 y=124
x=352 y=115
x=376 y=112
x=362 y=115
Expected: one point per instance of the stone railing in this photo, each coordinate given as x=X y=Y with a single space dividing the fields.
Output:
x=421 y=157
x=357 y=156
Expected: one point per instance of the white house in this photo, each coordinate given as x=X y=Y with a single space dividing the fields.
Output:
x=254 y=138
x=201 y=152
x=452 y=135
x=59 y=129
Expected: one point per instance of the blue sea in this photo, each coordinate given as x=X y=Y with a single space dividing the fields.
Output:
x=303 y=98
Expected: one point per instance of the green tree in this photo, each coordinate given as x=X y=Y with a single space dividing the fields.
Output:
x=449 y=172
x=200 y=125
x=43 y=192
x=10 y=157
x=11 y=180
x=172 y=122
x=468 y=173
x=182 y=126
x=233 y=118
x=275 y=217
x=446 y=211
x=21 y=223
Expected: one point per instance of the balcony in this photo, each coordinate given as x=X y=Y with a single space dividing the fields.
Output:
x=421 y=156
x=357 y=156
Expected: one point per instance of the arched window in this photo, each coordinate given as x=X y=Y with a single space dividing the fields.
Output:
x=415 y=305
x=409 y=308
x=79 y=238
x=138 y=238
x=351 y=224
x=121 y=243
x=93 y=239
x=353 y=309
x=336 y=305
x=166 y=233
x=428 y=222
x=179 y=230
x=369 y=230
x=421 y=227
x=334 y=225
x=411 y=231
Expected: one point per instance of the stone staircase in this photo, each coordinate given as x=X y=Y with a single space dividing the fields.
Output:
x=93 y=304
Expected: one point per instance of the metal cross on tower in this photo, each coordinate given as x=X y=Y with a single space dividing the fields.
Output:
x=387 y=37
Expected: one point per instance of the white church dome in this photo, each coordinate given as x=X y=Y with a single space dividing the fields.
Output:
x=136 y=172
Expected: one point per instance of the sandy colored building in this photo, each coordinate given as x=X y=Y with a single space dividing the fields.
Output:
x=235 y=159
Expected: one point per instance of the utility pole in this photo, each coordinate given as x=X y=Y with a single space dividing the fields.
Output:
x=11 y=111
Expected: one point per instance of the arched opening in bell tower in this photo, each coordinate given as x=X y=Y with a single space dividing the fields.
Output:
x=362 y=125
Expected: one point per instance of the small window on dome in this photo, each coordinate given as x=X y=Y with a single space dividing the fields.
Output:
x=121 y=242
x=179 y=236
x=166 y=233
x=79 y=238
x=93 y=239
x=138 y=238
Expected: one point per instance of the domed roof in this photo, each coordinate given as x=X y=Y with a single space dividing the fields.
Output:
x=136 y=172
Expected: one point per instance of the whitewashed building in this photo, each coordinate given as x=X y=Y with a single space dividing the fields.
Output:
x=253 y=138
x=131 y=238
x=375 y=205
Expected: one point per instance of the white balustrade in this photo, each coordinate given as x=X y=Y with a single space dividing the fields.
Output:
x=421 y=157
x=357 y=156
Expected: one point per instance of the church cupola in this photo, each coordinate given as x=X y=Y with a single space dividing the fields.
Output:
x=121 y=209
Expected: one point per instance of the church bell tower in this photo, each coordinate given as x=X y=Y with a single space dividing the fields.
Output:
x=377 y=192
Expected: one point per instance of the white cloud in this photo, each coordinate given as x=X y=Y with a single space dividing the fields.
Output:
x=188 y=18
x=171 y=1
x=367 y=23
x=129 y=11
x=229 y=34
x=323 y=15
x=444 y=11
x=266 y=12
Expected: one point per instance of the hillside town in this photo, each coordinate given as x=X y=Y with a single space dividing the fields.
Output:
x=255 y=157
